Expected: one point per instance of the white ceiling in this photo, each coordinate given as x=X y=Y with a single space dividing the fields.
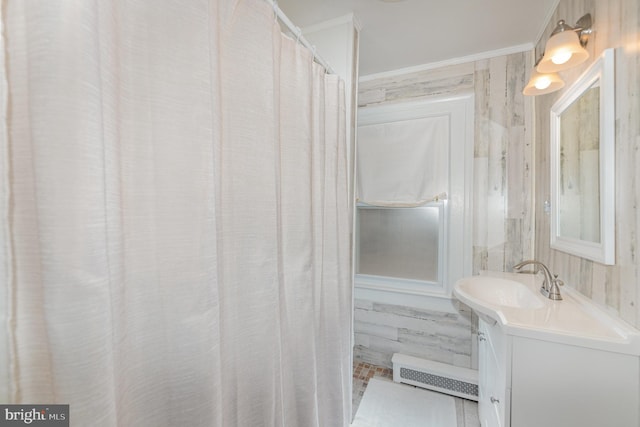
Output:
x=410 y=33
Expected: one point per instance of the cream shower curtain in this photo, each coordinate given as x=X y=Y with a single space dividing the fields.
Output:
x=175 y=225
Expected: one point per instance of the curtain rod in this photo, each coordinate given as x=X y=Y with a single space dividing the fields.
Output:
x=295 y=30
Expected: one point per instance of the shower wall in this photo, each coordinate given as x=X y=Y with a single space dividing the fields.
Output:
x=503 y=221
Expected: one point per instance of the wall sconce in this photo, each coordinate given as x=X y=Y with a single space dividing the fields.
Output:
x=565 y=47
x=541 y=83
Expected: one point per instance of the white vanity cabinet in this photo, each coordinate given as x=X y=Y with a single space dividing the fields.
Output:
x=531 y=382
x=545 y=363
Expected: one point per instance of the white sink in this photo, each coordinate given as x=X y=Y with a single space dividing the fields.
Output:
x=514 y=301
x=499 y=292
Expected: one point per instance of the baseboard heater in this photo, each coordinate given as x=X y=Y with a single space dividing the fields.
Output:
x=449 y=379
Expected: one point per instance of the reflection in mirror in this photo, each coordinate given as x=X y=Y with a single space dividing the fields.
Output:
x=582 y=165
x=579 y=198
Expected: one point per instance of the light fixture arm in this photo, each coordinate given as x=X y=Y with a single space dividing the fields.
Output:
x=583 y=28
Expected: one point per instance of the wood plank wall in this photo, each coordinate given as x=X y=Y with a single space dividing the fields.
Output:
x=616 y=24
x=503 y=218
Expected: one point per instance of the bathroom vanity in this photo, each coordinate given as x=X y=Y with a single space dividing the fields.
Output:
x=550 y=363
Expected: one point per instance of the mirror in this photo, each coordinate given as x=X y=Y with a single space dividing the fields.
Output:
x=582 y=165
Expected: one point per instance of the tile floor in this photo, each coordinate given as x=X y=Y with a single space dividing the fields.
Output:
x=466 y=410
x=362 y=373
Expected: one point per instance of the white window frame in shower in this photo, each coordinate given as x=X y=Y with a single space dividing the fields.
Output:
x=457 y=245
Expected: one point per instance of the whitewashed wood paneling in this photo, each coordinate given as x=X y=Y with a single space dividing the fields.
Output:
x=503 y=226
x=616 y=24
x=384 y=329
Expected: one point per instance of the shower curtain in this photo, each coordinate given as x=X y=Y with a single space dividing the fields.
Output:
x=175 y=229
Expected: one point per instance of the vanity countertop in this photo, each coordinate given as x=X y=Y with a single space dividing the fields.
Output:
x=576 y=320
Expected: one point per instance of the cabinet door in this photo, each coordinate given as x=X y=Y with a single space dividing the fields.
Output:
x=484 y=406
x=558 y=385
x=492 y=376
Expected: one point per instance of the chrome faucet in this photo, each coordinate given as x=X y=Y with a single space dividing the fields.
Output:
x=550 y=286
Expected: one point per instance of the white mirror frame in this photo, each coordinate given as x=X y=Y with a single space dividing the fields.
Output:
x=604 y=251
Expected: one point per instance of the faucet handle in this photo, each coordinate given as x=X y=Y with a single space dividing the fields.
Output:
x=554 y=291
x=558 y=281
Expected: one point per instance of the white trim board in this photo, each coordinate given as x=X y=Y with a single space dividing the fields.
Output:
x=545 y=23
x=447 y=62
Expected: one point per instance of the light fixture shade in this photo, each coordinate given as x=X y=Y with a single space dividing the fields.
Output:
x=563 y=51
x=542 y=83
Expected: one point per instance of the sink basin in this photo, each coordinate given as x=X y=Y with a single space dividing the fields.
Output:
x=499 y=292
x=513 y=300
